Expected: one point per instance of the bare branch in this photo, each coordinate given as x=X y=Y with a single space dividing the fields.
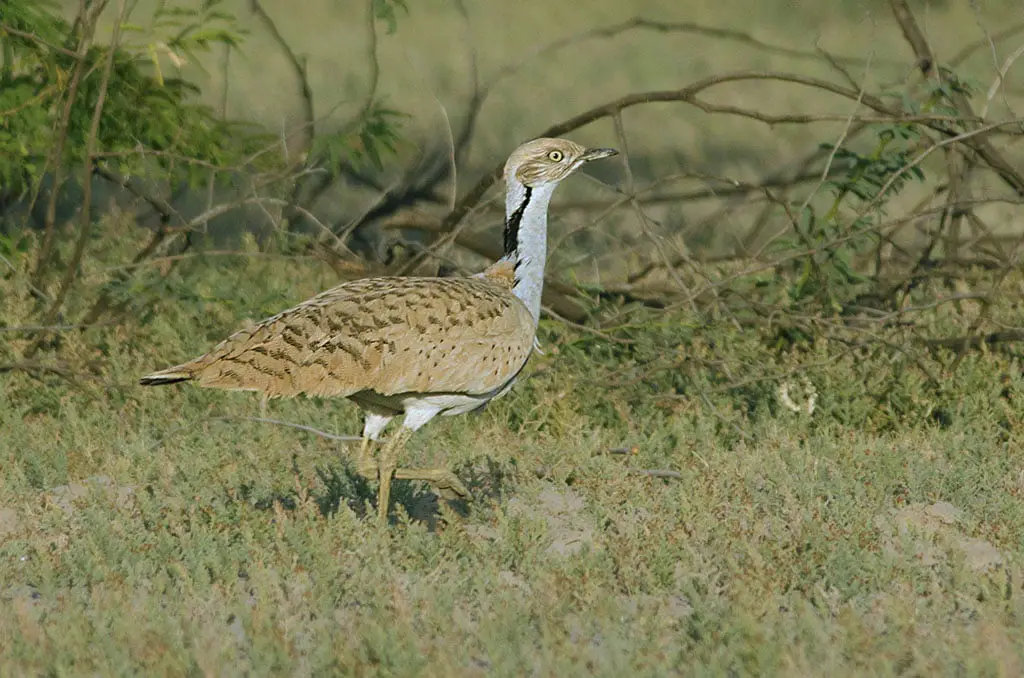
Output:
x=87 y=20
x=664 y=27
x=163 y=208
x=298 y=66
x=86 y=219
x=688 y=95
x=4 y=28
x=970 y=49
x=926 y=64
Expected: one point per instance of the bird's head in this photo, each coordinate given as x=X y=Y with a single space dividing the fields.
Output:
x=548 y=161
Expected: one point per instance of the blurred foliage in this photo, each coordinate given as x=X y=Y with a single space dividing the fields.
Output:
x=855 y=221
x=149 y=123
x=364 y=142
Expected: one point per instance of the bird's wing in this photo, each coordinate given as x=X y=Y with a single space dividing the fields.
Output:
x=388 y=335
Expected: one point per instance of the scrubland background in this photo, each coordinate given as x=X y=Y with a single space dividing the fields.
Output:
x=776 y=427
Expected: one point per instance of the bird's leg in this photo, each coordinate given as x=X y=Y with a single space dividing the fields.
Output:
x=387 y=464
x=366 y=466
x=444 y=481
x=374 y=423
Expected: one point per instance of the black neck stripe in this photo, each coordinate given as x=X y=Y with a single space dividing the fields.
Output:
x=512 y=225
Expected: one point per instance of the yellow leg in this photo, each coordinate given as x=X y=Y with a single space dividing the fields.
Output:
x=388 y=464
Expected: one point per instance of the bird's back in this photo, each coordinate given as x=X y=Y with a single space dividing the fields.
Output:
x=387 y=335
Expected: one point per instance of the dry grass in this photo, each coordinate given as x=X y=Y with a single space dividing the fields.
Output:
x=142 y=532
x=160 y=532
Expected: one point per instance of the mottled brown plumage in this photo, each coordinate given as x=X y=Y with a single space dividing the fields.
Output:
x=413 y=346
x=385 y=335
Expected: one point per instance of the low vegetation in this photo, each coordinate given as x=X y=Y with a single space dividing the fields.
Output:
x=693 y=501
x=780 y=435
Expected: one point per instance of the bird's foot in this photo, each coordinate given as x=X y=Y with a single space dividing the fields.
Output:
x=445 y=483
x=367 y=470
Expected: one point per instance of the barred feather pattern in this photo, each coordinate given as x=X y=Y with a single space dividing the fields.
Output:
x=387 y=336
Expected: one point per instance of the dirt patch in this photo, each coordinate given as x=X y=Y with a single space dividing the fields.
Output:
x=932 y=532
x=563 y=511
x=10 y=521
x=67 y=497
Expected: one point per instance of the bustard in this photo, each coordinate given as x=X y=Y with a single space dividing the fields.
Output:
x=416 y=346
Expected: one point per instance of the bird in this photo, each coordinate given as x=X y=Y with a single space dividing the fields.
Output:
x=415 y=347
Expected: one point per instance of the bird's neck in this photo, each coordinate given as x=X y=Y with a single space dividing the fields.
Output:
x=526 y=239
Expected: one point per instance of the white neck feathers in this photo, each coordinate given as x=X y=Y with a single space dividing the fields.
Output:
x=526 y=234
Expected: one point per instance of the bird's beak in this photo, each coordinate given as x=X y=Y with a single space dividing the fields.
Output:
x=598 y=153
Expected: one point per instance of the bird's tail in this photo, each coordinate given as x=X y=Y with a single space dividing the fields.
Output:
x=172 y=375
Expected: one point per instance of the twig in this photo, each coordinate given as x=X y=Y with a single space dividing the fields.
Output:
x=549 y=310
x=308 y=128
x=298 y=66
x=970 y=341
x=195 y=255
x=51 y=328
x=620 y=134
x=918 y=159
x=39 y=294
x=837 y=145
x=36 y=368
x=77 y=56
x=30 y=102
x=1000 y=76
x=451 y=156
x=259 y=420
x=970 y=49
x=278 y=422
x=559 y=298
x=163 y=208
x=655 y=473
x=422 y=185
x=689 y=95
x=926 y=63
x=640 y=23
x=371 y=55
x=914 y=36
x=476 y=99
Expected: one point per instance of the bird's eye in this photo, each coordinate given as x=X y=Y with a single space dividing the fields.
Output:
x=555 y=156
